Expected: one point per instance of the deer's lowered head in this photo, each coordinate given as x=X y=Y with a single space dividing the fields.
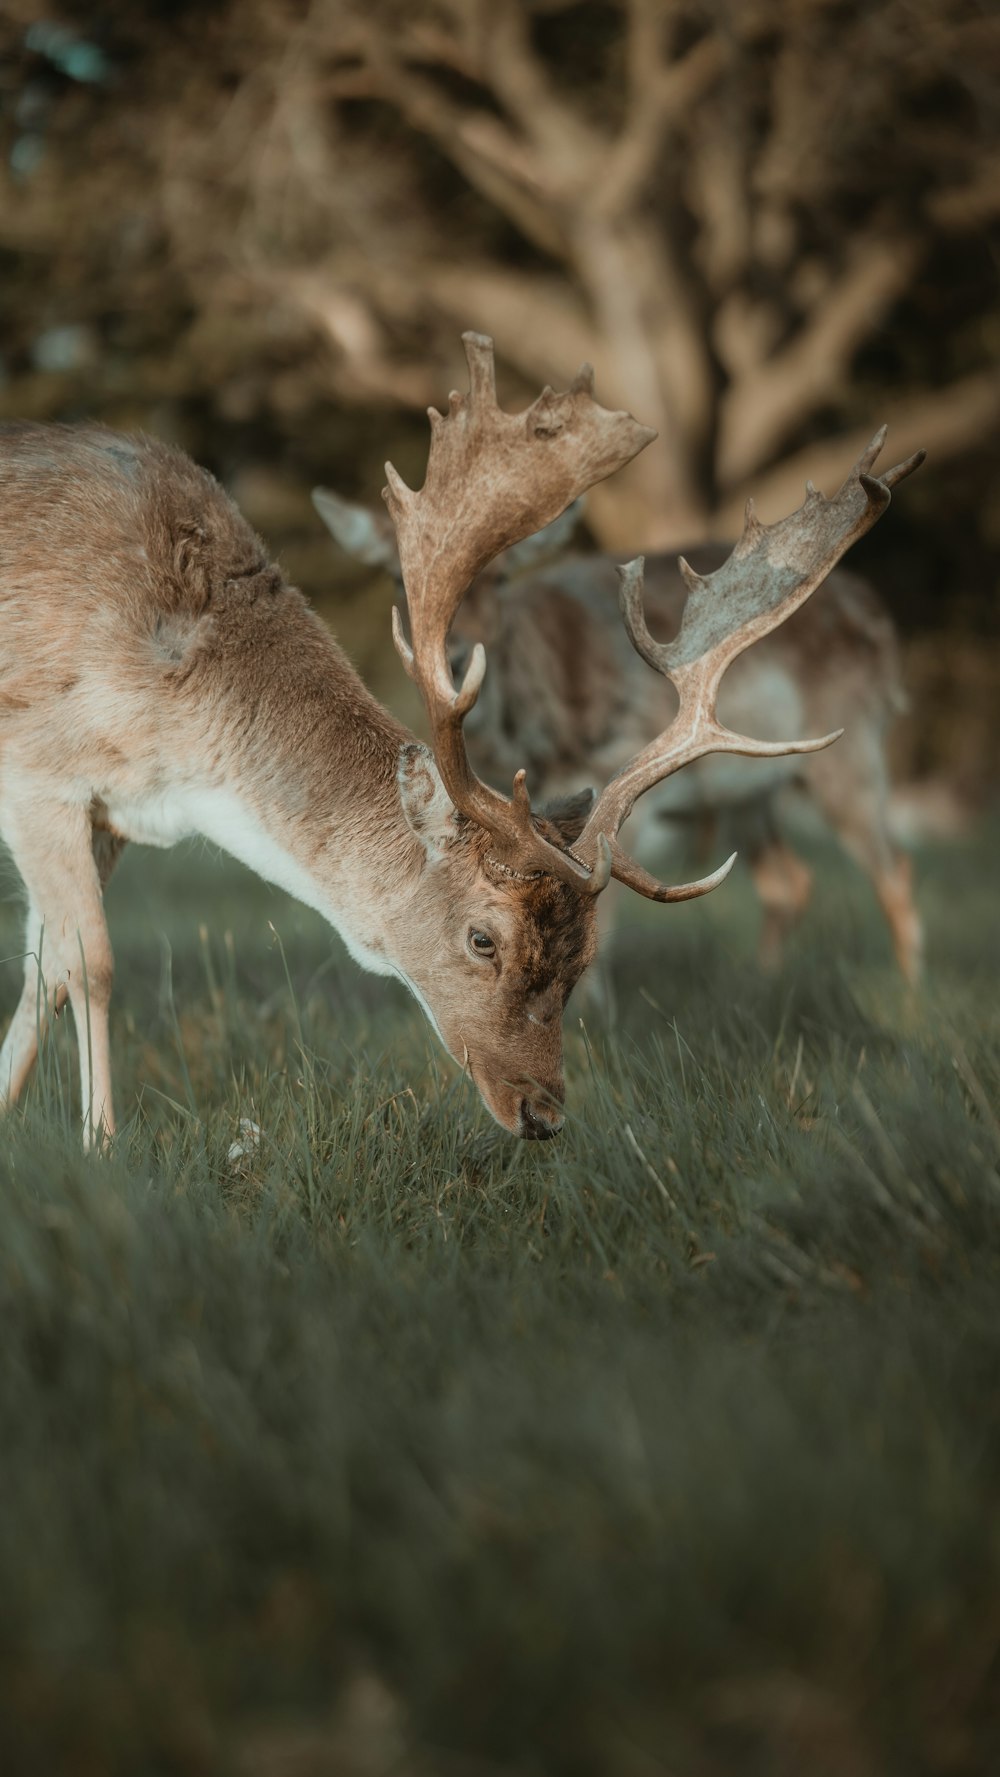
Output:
x=492 y=952
x=519 y=888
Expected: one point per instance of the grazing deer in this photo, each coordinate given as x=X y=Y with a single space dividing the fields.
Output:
x=158 y=678
x=567 y=697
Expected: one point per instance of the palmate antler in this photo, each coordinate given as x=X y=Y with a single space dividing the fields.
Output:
x=771 y=572
x=492 y=479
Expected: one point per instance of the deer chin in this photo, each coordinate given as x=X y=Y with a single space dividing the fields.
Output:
x=521 y=1107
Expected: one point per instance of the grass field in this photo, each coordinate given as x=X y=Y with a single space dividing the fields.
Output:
x=395 y=1446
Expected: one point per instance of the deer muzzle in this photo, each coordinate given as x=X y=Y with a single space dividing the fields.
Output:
x=539 y=1124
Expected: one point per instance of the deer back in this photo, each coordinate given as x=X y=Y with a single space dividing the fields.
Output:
x=146 y=636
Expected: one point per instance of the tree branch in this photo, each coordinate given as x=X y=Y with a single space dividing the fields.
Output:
x=568 y=150
x=367 y=368
x=772 y=400
x=944 y=422
x=500 y=165
x=962 y=208
x=661 y=94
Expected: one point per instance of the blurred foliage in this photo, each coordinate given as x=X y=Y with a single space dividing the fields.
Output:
x=259 y=227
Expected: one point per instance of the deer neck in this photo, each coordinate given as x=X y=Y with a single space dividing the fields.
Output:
x=307 y=797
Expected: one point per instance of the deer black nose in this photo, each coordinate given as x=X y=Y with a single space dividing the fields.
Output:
x=536 y=1127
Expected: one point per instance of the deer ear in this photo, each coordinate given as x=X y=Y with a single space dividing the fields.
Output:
x=365 y=536
x=569 y=814
x=429 y=810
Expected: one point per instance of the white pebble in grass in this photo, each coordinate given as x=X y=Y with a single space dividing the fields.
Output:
x=243 y=1152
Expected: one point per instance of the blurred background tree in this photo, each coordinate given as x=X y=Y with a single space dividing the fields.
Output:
x=259 y=227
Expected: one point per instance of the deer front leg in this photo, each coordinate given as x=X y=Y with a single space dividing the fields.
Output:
x=20 y=1045
x=64 y=866
x=894 y=887
x=784 y=886
x=853 y=794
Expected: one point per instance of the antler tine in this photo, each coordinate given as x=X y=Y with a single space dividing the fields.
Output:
x=626 y=870
x=493 y=478
x=770 y=573
x=891 y=477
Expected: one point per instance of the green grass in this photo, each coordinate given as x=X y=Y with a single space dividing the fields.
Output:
x=395 y=1446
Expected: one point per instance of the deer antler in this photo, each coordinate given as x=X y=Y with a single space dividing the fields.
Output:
x=492 y=479
x=771 y=572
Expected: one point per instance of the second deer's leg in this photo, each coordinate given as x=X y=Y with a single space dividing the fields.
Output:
x=894 y=887
x=855 y=800
x=783 y=883
x=64 y=867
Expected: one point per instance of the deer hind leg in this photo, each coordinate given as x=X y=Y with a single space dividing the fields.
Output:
x=855 y=801
x=894 y=887
x=68 y=953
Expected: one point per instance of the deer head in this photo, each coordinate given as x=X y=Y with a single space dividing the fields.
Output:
x=493 y=953
x=520 y=887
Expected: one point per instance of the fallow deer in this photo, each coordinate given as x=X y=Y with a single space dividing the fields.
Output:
x=159 y=678
x=567 y=697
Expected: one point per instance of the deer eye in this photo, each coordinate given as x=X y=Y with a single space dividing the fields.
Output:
x=480 y=943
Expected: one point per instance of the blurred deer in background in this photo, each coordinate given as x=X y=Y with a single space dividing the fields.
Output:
x=158 y=678
x=569 y=698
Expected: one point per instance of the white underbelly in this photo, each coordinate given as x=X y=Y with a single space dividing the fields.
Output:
x=159 y=820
